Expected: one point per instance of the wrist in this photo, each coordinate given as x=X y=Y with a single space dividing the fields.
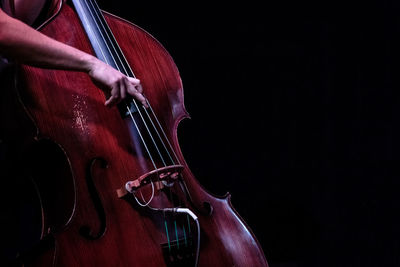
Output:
x=89 y=62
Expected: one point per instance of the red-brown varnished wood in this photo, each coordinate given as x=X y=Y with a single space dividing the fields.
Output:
x=69 y=110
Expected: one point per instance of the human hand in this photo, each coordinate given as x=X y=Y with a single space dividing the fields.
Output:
x=114 y=84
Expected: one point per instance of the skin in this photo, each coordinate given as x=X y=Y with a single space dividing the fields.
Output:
x=25 y=45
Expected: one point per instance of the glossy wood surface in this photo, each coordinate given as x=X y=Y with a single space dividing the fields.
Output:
x=69 y=110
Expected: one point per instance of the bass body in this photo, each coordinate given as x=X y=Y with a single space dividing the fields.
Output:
x=113 y=185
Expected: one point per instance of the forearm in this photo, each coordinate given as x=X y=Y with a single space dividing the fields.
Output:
x=25 y=45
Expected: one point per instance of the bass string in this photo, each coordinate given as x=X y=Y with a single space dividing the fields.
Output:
x=164 y=134
x=102 y=21
x=128 y=70
x=78 y=3
x=93 y=10
x=100 y=18
x=154 y=127
x=129 y=112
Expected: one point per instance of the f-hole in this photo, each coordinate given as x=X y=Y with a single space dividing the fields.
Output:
x=85 y=230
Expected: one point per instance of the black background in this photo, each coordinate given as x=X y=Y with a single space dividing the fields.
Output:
x=294 y=111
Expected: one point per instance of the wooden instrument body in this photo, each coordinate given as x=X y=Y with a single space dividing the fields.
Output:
x=67 y=109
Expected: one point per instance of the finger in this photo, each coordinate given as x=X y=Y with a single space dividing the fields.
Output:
x=139 y=88
x=110 y=101
x=136 y=83
x=122 y=90
x=114 y=98
x=137 y=95
x=134 y=80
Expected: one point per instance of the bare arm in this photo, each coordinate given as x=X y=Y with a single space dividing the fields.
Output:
x=25 y=45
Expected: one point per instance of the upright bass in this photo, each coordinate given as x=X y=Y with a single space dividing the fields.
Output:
x=113 y=186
